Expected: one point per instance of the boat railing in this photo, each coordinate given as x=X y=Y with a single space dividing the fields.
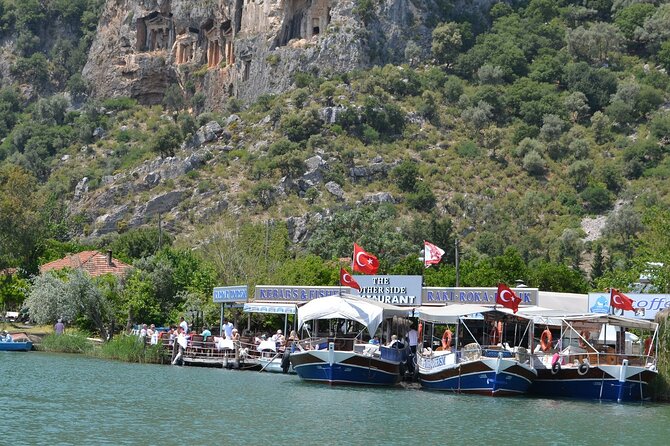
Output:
x=594 y=358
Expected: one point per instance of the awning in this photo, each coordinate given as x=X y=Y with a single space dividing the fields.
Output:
x=449 y=314
x=367 y=312
x=269 y=308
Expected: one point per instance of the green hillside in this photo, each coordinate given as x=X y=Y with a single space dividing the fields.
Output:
x=516 y=133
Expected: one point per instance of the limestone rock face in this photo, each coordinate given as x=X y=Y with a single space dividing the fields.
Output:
x=244 y=48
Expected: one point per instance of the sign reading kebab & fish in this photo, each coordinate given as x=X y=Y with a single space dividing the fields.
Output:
x=282 y=293
x=232 y=294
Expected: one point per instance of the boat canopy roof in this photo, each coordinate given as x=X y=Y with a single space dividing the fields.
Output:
x=451 y=314
x=618 y=321
x=557 y=318
x=368 y=312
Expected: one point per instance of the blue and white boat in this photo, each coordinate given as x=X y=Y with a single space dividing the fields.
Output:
x=16 y=346
x=596 y=357
x=344 y=358
x=481 y=360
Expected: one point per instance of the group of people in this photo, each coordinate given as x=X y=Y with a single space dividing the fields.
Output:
x=278 y=338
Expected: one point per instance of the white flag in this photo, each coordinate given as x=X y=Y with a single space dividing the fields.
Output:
x=432 y=254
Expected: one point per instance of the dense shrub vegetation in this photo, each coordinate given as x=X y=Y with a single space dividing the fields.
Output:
x=503 y=136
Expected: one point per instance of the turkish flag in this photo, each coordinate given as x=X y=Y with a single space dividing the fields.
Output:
x=431 y=254
x=364 y=262
x=620 y=300
x=347 y=280
x=507 y=298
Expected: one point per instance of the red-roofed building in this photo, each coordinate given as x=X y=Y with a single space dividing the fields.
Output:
x=94 y=262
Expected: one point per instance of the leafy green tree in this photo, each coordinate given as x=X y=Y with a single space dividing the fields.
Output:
x=576 y=105
x=422 y=199
x=597 y=84
x=21 y=227
x=73 y=296
x=138 y=243
x=406 y=175
x=173 y=99
x=571 y=246
x=13 y=291
x=597 y=44
x=598 y=263
x=549 y=276
x=533 y=163
x=579 y=173
x=166 y=140
x=664 y=55
x=372 y=227
x=625 y=223
x=299 y=127
x=601 y=126
x=596 y=198
x=632 y=17
x=307 y=270
x=447 y=42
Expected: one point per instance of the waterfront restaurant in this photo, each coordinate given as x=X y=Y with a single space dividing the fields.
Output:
x=406 y=291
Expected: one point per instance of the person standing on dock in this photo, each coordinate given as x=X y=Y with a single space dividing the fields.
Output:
x=59 y=328
x=227 y=328
x=183 y=324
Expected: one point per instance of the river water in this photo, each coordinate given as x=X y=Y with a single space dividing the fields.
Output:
x=74 y=400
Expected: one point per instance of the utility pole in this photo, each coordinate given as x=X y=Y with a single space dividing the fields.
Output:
x=457 y=266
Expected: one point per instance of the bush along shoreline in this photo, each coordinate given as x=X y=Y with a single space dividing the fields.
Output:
x=121 y=348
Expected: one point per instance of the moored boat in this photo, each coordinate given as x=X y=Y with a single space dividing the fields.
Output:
x=16 y=346
x=345 y=359
x=595 y=357
x=481 y=360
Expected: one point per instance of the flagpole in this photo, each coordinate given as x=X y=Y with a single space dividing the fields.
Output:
x=456 y=257
x=423 y=267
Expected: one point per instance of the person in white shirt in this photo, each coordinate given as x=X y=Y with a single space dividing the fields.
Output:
x=413 y=339
x=183 y=324
x=227 y=328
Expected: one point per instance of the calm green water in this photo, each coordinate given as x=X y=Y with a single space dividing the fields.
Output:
x=73 y=400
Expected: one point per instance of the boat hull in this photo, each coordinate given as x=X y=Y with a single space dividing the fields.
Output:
x=601 y=383
x=273 y=365
x=345 y=367
x=16 y=346
x=485 y=376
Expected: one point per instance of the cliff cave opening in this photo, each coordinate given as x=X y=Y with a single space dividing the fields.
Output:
x=155 y=32
x=303 y=19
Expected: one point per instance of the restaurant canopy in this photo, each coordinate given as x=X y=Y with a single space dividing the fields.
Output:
x=367 y=312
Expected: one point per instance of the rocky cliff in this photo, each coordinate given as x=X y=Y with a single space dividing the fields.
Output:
x=245 y=48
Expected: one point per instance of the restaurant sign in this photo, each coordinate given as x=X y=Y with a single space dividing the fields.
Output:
x=435 y=295
x=395 y=290
x=225 y=294
x=282 y=293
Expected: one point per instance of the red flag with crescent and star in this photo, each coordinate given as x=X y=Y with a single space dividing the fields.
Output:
x=432 y=254
x=364 y=262
x=347 y=279
x=620 y=300
x=507 y=298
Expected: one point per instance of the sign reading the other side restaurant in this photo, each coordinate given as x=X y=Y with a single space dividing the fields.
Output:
x=395 y=290
x=225 y=294
x=283 y=293
x=434 y=295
